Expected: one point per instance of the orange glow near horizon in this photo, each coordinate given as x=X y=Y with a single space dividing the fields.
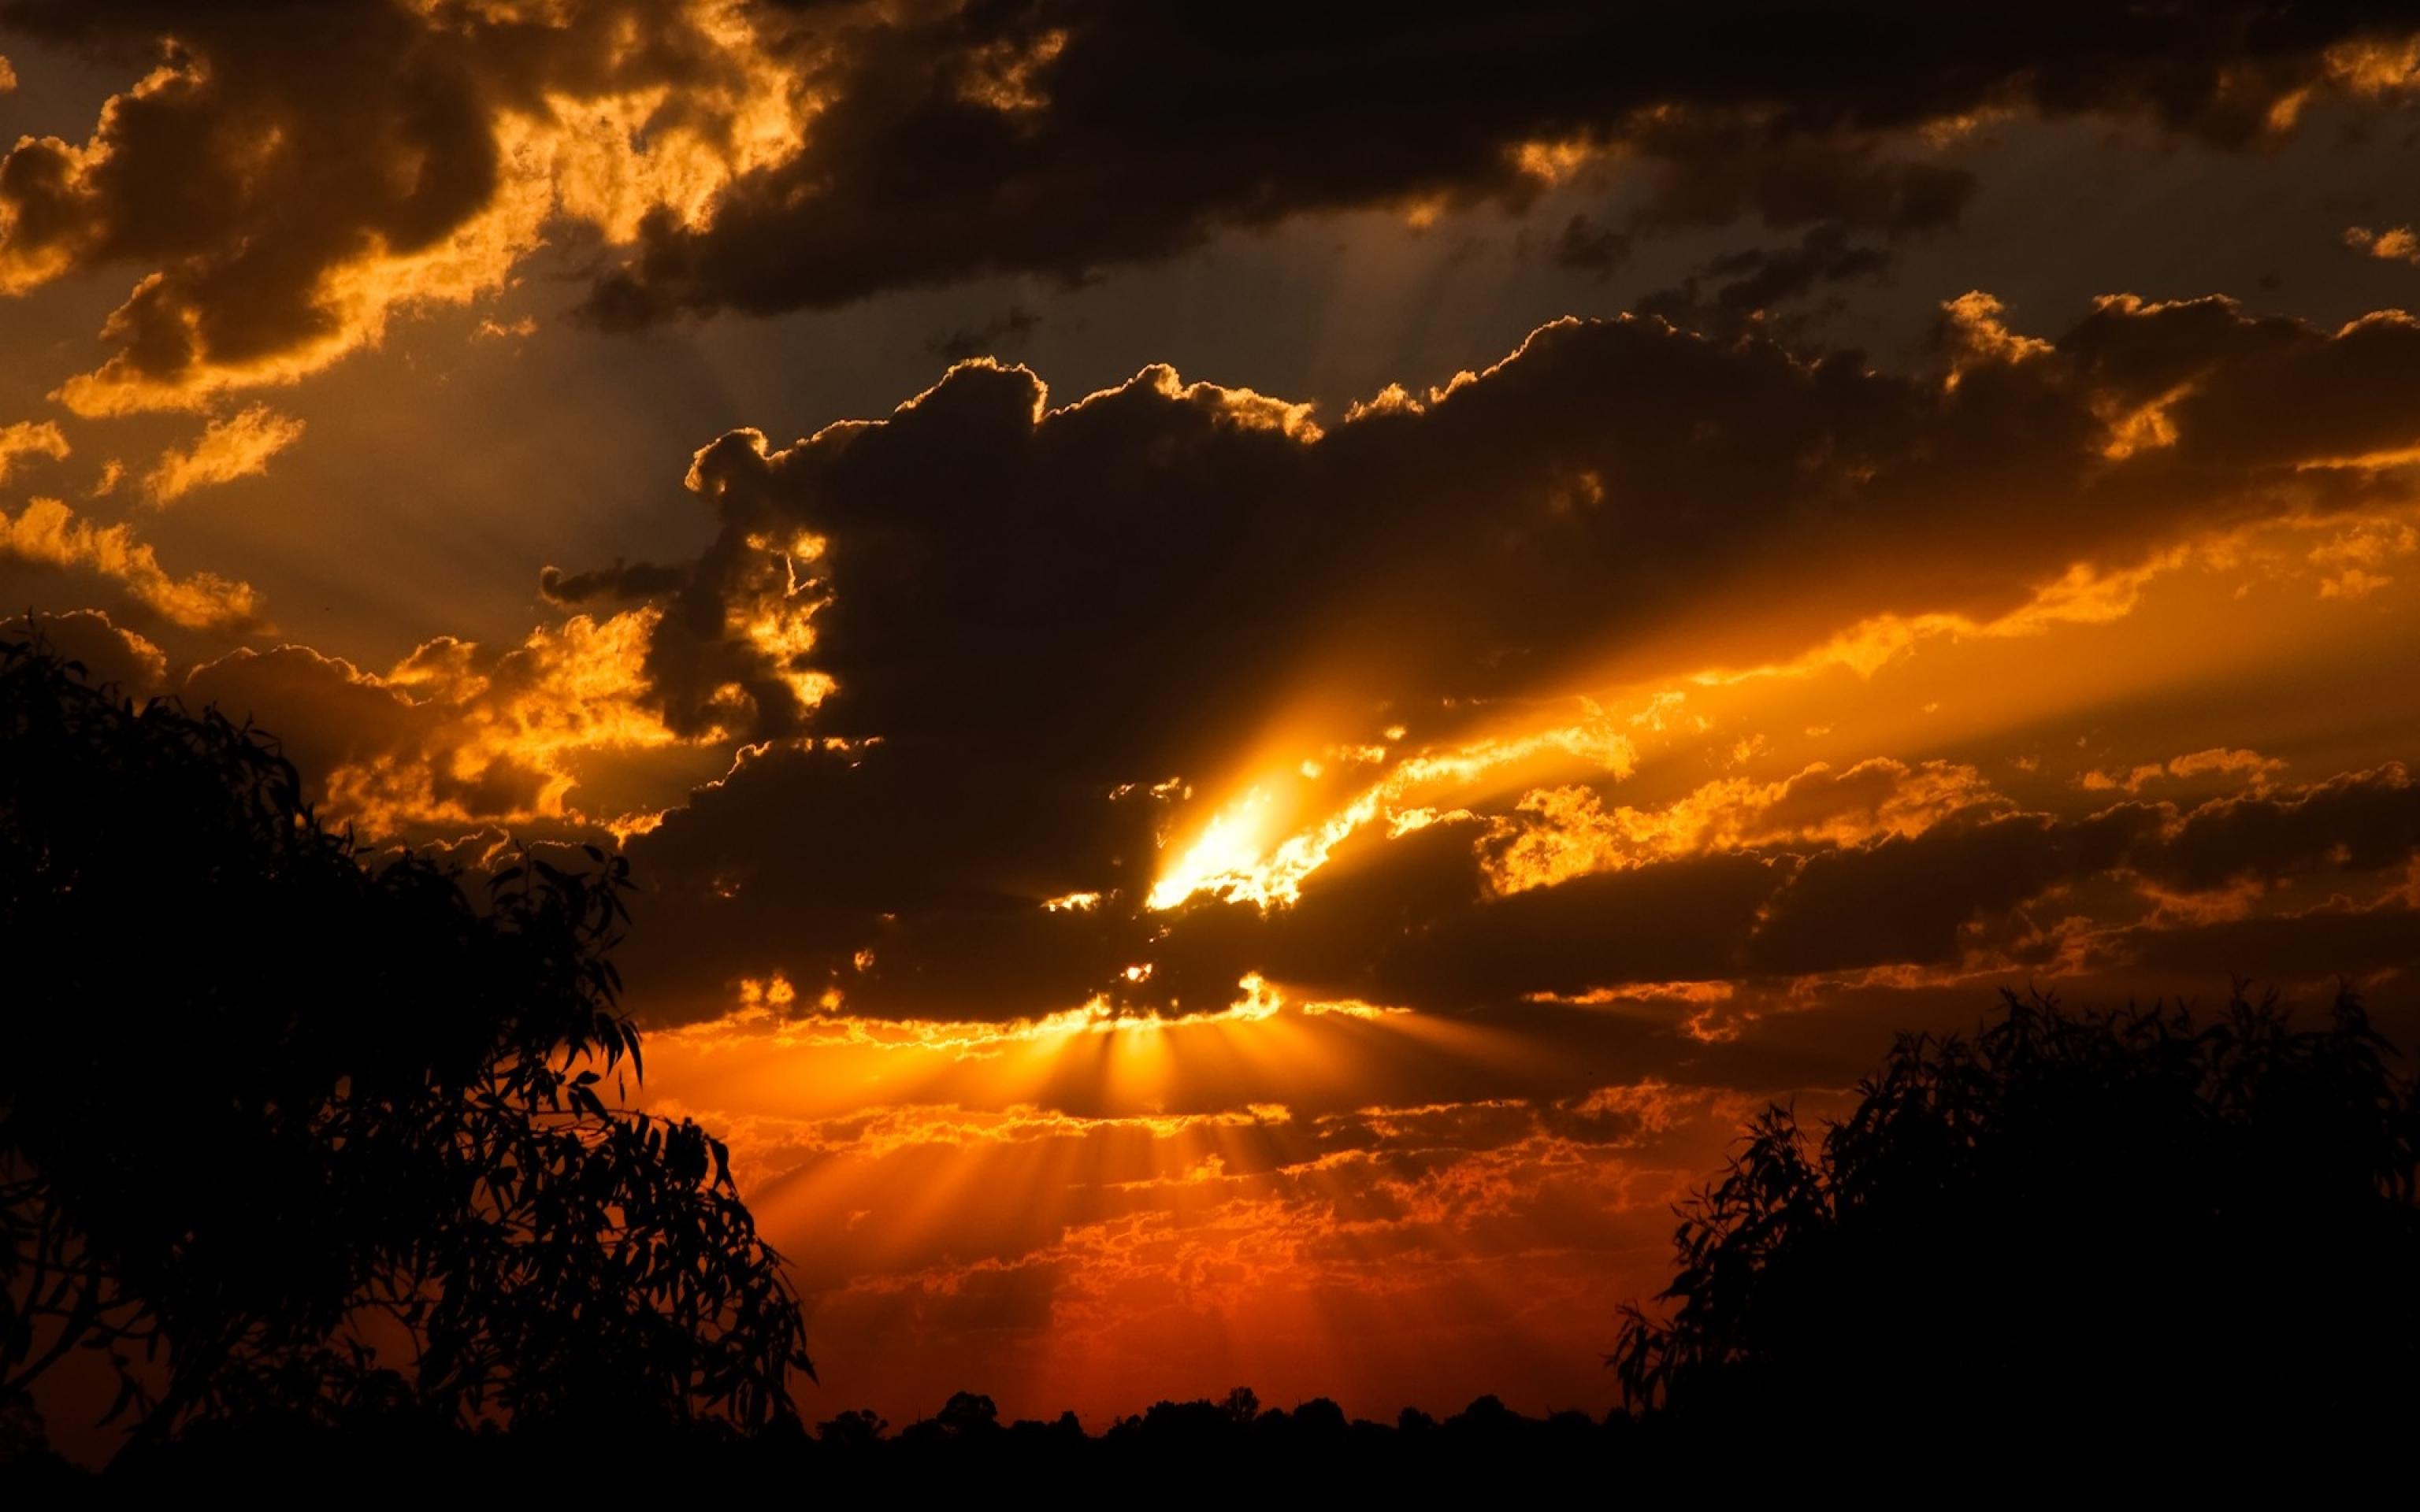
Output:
x=1198 y=1224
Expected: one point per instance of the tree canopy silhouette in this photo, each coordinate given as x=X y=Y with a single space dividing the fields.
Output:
x=2115 y=1219
x=290 y=1132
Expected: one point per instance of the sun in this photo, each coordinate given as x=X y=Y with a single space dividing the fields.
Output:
x=1224 y=854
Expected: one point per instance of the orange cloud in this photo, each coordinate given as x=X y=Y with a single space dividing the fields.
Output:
x=293 y=189
x=29 y=437
x=455 y=735
x=47 y=533
x=2249 y=768
x=2398 y=245
x=238 y=446
x=1556 y=834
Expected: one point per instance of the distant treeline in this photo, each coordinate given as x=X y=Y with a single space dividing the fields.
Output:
x=1194 y=1443
x=1191 y=1453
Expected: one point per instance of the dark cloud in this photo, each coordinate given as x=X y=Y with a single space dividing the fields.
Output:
x=327 y=715
x=2311 y=951
x=1726 y=291
x=1002 y=332
x=1110 y=578
x=998 y=627
x=1584 y=246
x=1060 y=137
x=1905 y=900
x=110 y=653
x=1713 y=166
x=2359 y=821
x=804 y=857
x=622 y=581
x=289 y=176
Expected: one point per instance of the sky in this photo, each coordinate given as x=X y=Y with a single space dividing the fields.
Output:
x=1263 y=666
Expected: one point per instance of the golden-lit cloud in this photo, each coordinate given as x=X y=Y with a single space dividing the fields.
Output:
x=1555 y=834
x=456 y=735
x=238 y=446
x=2248 y=767
x=772 y=1011
x=29 y=437
x=2397 y=245
x=286 y=182
x=48 y=533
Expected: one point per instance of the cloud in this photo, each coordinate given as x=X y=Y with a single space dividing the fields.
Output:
x=2398 y=245
x=8 y=75
x=622 y=581
x=1412 y=922
x=1555 y=834
x=238 y=446
x=285 y=181
x=288 y=179
x=1753 y=281
x=2358 y=821
x=109 y=653
x=2245 y=765
x=1572 y=437
x=2374 y=946
x=1004 y=331
x=456 y=735
x=47 y=534
x=1585 y=246
x=1004 y=652
x=2352 y=556
x=923 y=169
x=29 y=437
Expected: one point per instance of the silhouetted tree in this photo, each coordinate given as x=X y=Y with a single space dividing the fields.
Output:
x=289 y=1132
x=856 y=1429
x=968 y=1414
x=2095 y=1222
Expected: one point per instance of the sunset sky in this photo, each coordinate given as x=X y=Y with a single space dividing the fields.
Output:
x=1263 y=665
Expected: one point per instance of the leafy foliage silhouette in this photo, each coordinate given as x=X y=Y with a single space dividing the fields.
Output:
x=2125 y=1218
x=292 y=1133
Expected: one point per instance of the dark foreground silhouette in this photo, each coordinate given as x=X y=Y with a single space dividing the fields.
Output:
x=315 y=1154
x=2127 y=1230
x=287 y=1137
